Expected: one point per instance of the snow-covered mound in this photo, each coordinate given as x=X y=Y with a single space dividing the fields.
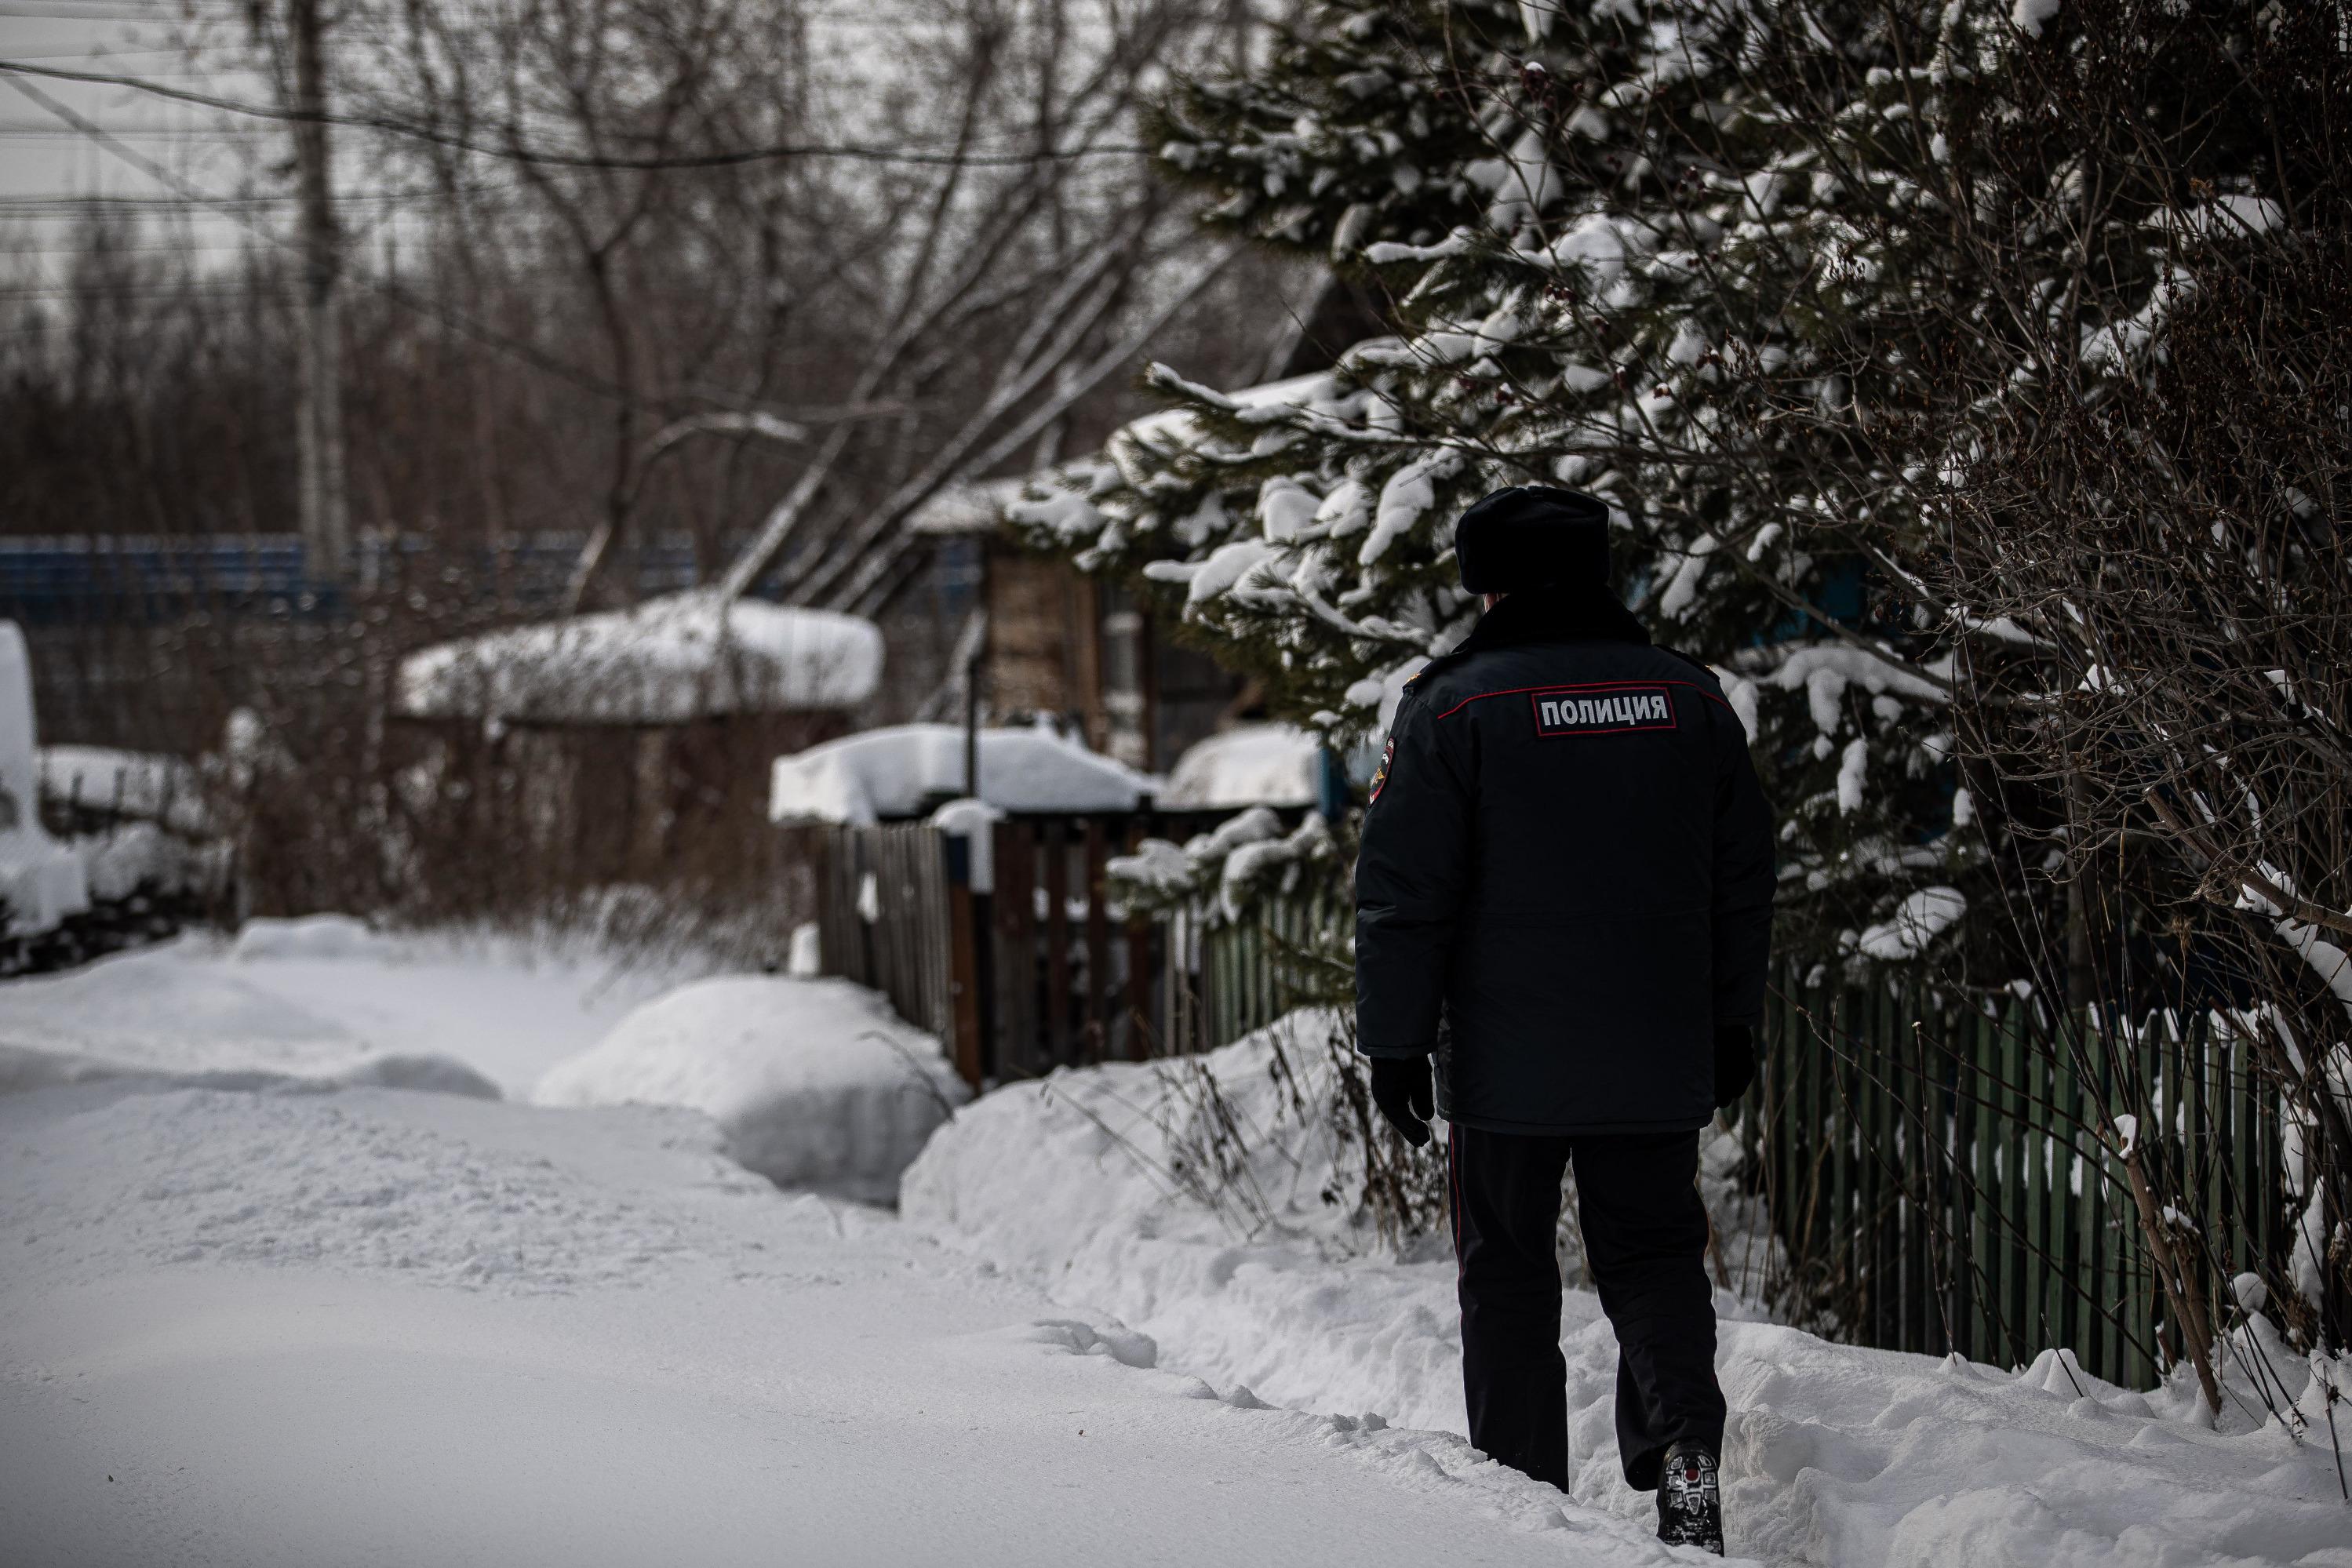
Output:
x=814 y=1082
x=329 y=938
x=24 y=1069
x=320 y=997
x=665 y=662
x=905 y=769
x=1252 y=765
x=1834 y=1455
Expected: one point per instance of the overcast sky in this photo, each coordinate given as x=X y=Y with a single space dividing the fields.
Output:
x=47 y=163
x=49 y=166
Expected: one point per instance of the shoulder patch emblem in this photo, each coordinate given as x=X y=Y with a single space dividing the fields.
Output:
x=1380 y=774
x=1606 y=710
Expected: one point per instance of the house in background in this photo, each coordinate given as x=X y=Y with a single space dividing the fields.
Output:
x=1040 y=638
x=986 y=631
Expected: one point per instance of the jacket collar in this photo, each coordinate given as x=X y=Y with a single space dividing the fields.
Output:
x=1586 y=617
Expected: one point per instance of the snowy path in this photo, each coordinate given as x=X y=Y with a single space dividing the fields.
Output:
x=377 y=1326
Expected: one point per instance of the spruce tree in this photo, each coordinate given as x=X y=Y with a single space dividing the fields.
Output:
x=1604 y=248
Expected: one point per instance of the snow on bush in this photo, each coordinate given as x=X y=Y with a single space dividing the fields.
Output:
x=814 y=1082
x=139 y=855
x=905 y=769
x=1092 y=1182
x=1917 y=920
x=685 y=656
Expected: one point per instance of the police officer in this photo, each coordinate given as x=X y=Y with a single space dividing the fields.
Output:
x=1564 y=900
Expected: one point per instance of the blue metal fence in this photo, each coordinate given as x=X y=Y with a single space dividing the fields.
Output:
x=50 y=579
x=144 y=578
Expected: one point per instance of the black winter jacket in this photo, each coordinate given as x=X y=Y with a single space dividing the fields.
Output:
x=1568 y=860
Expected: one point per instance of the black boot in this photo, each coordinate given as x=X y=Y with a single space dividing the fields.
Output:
x=1690 y=1503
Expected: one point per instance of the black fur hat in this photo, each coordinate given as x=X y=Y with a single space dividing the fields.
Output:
x=1533 y=536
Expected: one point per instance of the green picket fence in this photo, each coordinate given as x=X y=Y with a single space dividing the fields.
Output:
x=1933 y=1166
x=1934 y=1174
x=1239 y=975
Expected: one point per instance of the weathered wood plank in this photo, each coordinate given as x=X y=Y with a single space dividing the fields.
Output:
x=1098 y=975
x=1016 y=951
x=1055 y=852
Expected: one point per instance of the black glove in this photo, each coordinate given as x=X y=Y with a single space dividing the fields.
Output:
x=1735 y=1062
x=1401 y=1089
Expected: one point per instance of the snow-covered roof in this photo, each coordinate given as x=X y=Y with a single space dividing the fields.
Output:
x=965 y=508
x=668 y=661
x=906 y=770
x=1253 y=764
x=41 y=881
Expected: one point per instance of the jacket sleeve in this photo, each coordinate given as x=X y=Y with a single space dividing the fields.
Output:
x=1411 y=873
x=1744 y=879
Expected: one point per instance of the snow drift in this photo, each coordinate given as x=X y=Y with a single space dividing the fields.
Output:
x=1836 y=1454
x=320 y=998
x=24 y=1069
x=814 y=1082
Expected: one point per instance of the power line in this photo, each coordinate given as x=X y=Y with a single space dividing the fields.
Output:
x=79 y=247
x=554 y=158
x=74 y=201
x=109 y=52
x=26 y=132
x=522 y=351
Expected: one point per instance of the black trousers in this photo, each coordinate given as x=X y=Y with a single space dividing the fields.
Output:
x=1645 y=1238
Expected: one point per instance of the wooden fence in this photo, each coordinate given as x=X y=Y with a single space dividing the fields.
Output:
x=1026 y=968
x=1938 y=1176
x=1935 y=1172
x=1237 y=974
x=883 y=919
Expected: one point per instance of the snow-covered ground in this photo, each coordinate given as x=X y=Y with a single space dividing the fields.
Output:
x=381 y=1327
x=1835 y=1455
x=258 y=1308
x=268 y=1300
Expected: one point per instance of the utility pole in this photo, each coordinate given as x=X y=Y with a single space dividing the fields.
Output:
x=325 y=514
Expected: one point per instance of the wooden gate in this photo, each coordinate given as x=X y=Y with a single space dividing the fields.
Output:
x=1028 y=968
